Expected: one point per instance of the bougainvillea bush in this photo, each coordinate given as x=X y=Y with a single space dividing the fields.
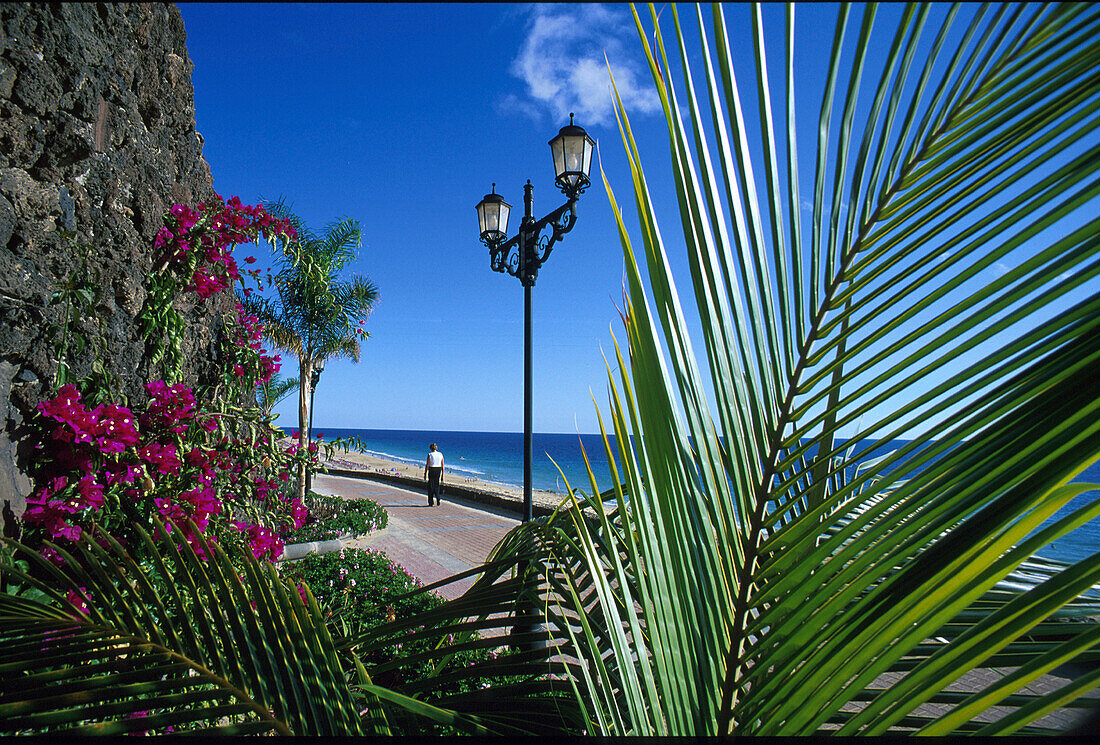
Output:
x=204 y=456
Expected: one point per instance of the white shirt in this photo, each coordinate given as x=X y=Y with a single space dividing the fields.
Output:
x=435 y=459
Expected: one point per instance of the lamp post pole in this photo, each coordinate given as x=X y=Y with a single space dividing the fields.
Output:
x=314 y=379
x=572 y=152
x=528 y=417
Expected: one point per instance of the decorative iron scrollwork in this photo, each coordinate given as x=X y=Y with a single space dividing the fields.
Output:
x=523 y=255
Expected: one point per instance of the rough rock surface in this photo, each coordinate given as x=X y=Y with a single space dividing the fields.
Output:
x=97 y=136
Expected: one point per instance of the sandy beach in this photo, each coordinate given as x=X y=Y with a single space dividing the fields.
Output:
x=356 y=461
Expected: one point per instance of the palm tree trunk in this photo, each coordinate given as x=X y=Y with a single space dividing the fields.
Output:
x=305 y=376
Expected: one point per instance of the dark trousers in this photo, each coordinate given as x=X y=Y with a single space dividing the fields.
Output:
x=435 y=489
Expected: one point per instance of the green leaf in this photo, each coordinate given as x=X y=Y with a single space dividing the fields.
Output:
x=765 y=575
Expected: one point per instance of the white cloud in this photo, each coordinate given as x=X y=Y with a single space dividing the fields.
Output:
x=1000 y=269
x=512 y=103
x=563 y=67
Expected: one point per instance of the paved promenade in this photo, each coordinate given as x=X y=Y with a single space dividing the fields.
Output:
x=432 y=543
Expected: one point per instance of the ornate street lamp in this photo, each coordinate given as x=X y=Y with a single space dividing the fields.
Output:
x=492 y=217
x=523 y=255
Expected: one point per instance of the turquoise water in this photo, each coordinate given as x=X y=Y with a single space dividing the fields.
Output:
x=498 y=457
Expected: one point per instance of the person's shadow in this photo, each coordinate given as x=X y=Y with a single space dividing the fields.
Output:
x=12 y=527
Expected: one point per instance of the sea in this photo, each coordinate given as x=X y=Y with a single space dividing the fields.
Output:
x=497 y=457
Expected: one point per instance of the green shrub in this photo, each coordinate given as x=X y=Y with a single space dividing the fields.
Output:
x=359 y=589
x=332 y=517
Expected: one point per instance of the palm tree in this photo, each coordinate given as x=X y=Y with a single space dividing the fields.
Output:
x=318 y=315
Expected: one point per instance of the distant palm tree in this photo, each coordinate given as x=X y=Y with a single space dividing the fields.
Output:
x=273 y=391
x=317 y=314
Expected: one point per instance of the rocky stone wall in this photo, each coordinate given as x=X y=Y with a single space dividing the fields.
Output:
x=97 y=136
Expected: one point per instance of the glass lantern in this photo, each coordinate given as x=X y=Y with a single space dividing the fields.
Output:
x=572 y=152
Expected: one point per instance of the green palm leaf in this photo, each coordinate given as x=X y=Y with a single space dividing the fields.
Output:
x=759 y=575
x=220 y=645
x=275 y=390
x=522 y=688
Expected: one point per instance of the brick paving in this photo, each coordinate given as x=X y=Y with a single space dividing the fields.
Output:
x=431 y=543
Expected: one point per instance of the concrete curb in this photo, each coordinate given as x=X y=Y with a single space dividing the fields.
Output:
x=298 y=550
x=294 y=551
x=449 y=490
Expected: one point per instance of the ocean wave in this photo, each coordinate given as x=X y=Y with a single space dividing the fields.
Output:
x=390 y=456
x=464 y=469
x=417 y=462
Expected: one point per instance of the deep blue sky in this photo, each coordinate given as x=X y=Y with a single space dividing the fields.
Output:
x=401 y=116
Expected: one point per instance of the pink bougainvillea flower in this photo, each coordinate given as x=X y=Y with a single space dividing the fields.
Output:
x=206 y=285
x=169 y=510
x=250 y=259
x=298 y=512
x=164 y=237
x=163 y=457
x=78 y=424
x=197 y=547
x=168 y=407
x=51 y=514
x=185 y=217
x=116 y=430
x=121 y=473
x=48 y=508
x=75 y=598
x=265 y=544
x=91 y=492
x=264 y=488
x=52 y=555
x=203 y=503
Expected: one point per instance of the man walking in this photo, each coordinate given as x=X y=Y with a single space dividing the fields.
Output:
x=433 y=472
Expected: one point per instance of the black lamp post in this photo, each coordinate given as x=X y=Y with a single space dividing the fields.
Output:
x=572 y=153
x=314 y=379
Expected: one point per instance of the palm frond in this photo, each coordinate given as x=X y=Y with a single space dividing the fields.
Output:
x=340 y=243
x=280 y=327
x=283 y=210
x=522 y=688
x=359 y=295
x=218 y=645
x=338 y=346
x=269 y=394
x=933 y=310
